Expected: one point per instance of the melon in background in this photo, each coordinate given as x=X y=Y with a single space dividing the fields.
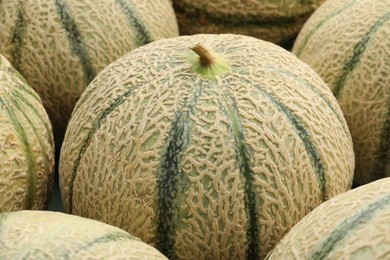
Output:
x=214 y=152
x=353 y=225
x=26 y=144
x=59 y=46
x=270 y=20
x=347 y=43
x=54 y=235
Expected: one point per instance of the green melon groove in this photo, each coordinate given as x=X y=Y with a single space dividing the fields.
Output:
x=383 y=152
x=242 y=157
x=143 y=35
x=310 y=148
x=320 y=24
x=31 y=166
x=17 y=36
x=358 y=51
x=169 y=176
x=33 y=109
x=310 y=86
x=95 y=126
x=106 y=238
x=25 y=89
x=233 y=20
x=25 y=102
x=17 y=105
x=14 y=73
x=75 y=40
x=347 y=227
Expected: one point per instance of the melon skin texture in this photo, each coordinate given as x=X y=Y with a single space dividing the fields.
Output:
x=26 y=144
x=348 y=44
x=201 y=167
x=59 y=46
x=353 y=225
x=54 y=235
x=275 y=21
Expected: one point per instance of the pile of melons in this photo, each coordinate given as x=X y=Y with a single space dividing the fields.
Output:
x=179 y=129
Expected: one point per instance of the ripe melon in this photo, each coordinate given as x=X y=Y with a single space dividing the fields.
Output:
x=353 y=225
x=348 y=43
x=54 y=235
x=275 y=21
x=214 y=152
x=26 y=144
x=60 y=45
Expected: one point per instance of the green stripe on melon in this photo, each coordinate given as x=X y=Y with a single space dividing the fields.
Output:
x=336 y=237
x=128 y=9
x=59 y=46
x=312 y=88
x=77 y=46
x=27 y=148
x=63 y=236
x=313 y=28
x=31 y=165
x=170 y=180
x=251 y=200
x=353 y=225
x=358 y=51
x=17 y=35
x=344 y=41
x=310 y=148
x=205 y=165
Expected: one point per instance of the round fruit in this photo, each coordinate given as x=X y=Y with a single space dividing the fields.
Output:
x=26 y=144
x=275 y=21
x=348 y=43
x=53 y=235
x=59 y=46
x=353 y=225
x=210 y=152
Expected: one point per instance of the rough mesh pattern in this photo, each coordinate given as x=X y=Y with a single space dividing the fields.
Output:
x=369 y=240
x=115 y=160
x=328 y=42
x=46 y=57
x=26 y=168
x=270 y=20
x=54 y=235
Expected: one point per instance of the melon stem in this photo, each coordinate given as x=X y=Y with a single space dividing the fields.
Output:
x=207 y=63
x=205 y=57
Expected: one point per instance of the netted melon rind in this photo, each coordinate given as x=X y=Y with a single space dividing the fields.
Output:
x=55 y=235
x=356 y=223
x=26 y=144
x=121 y=129
x=348 y=44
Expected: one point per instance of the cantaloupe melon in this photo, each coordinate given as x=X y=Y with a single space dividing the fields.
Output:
x=353 y=225
x=26 y=144
x=60 y=45
x=275 y=21
x=348 y=43
x=214 y=157
x=54 y=235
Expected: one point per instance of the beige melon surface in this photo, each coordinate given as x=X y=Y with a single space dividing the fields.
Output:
x=275 y=21
x=202 y=167
x=60 y=45
x=353 y=225
x=55 y=235
x=26 y=144
x=347 y=42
